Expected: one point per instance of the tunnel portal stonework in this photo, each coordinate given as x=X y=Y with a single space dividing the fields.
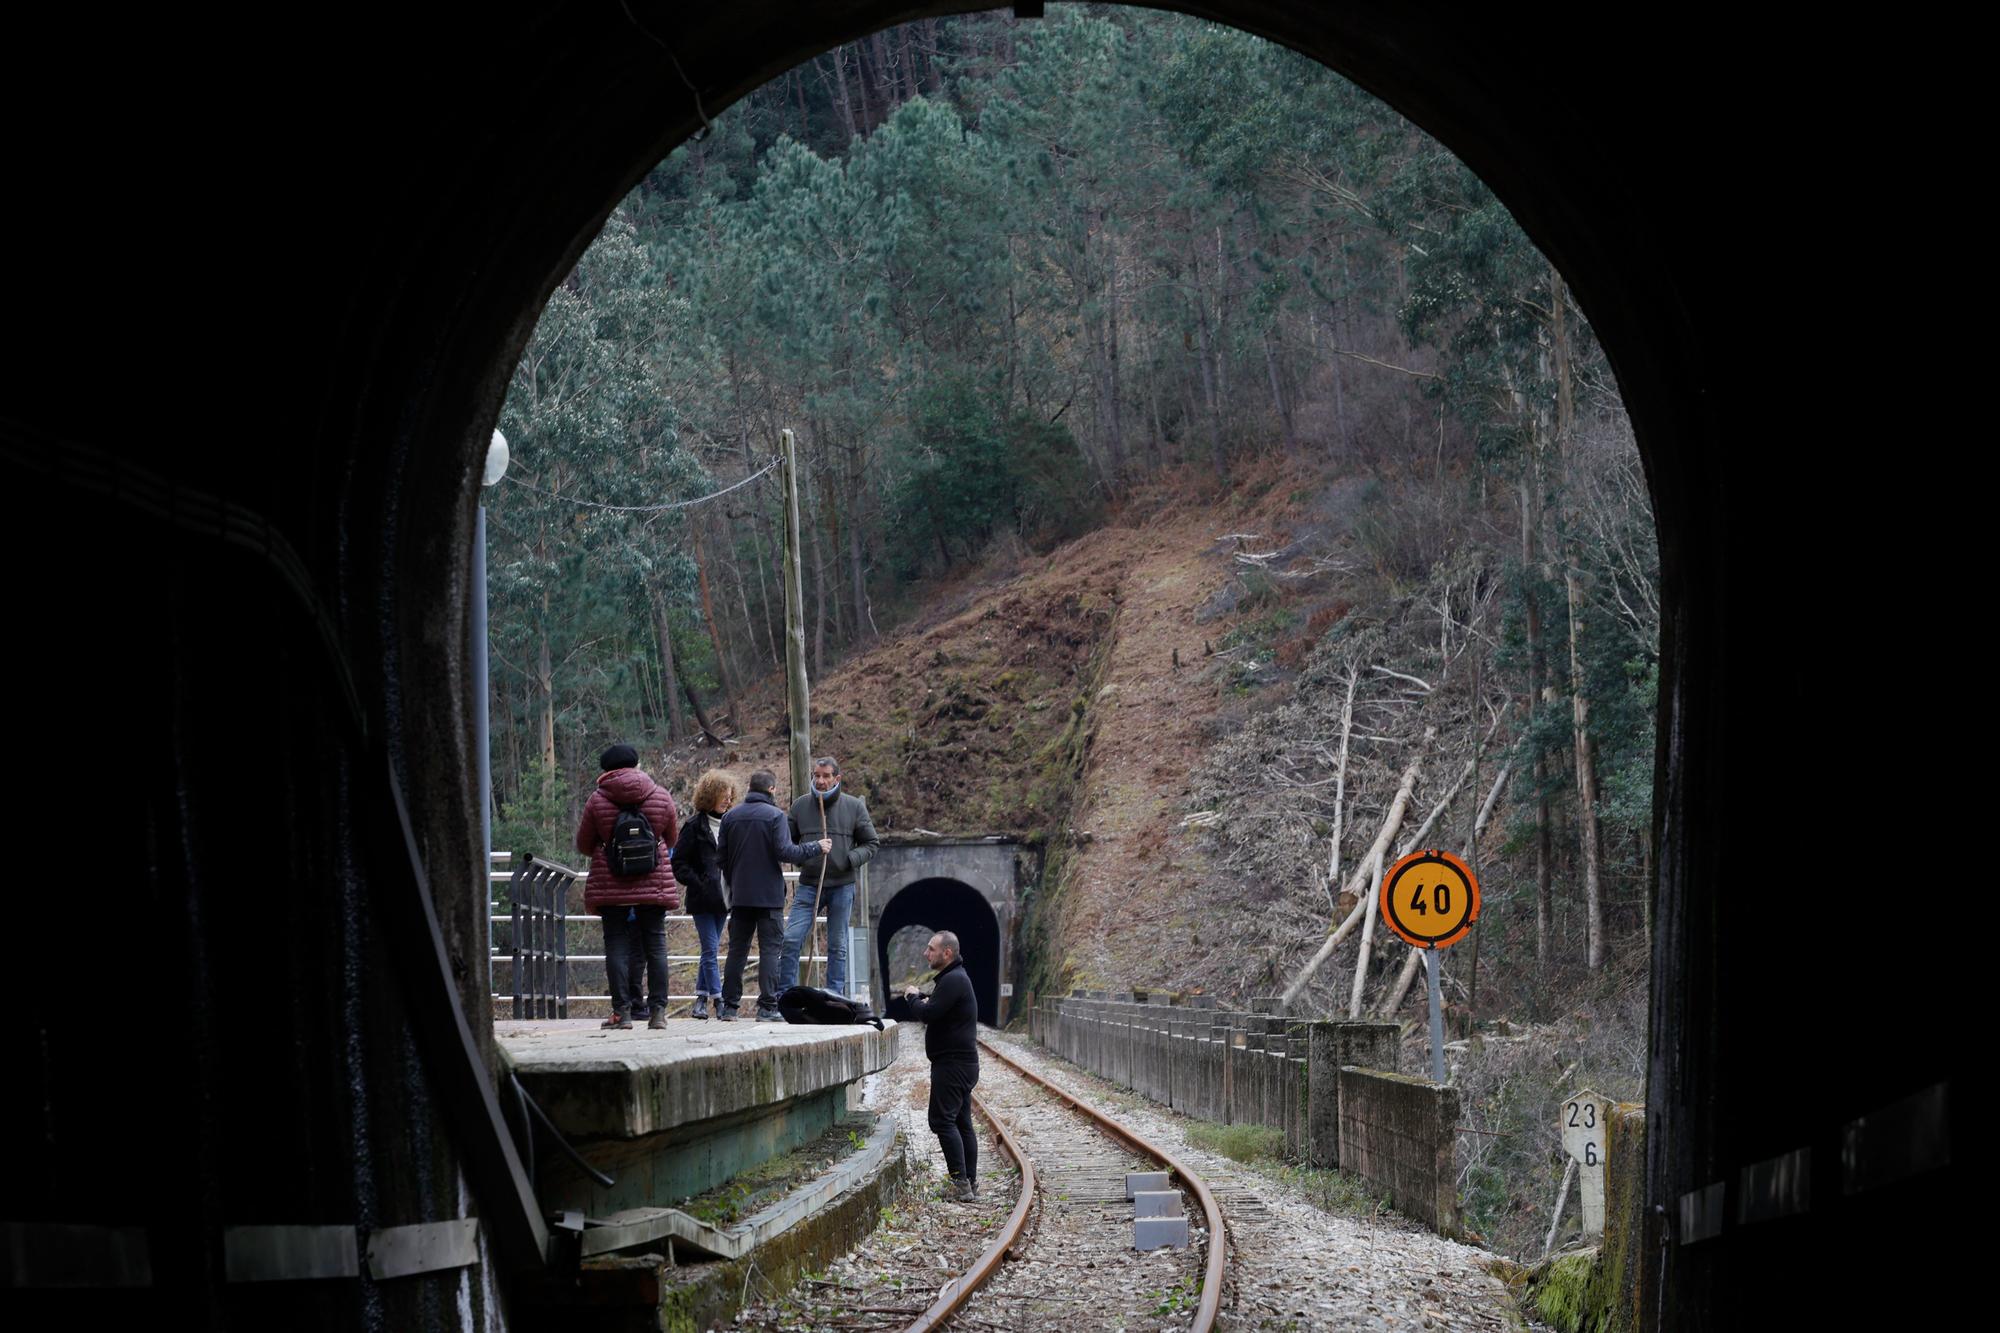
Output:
x=998 y=869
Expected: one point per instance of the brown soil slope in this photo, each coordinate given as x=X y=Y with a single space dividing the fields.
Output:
x=1070 y=702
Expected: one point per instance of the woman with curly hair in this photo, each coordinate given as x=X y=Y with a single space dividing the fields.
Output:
x=698 y=864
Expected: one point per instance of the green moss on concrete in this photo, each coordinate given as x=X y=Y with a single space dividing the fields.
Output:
x=1622 y=1279
x=708 y=1295
x=1602 y=1289
x=769 y=1181
x=1560 y=1292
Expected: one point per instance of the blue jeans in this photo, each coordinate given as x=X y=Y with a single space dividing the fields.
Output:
x=708 y=979
x=837 y=907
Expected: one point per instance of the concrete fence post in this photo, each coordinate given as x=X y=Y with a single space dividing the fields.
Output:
x=1223 y=1034
x=1297 y=1040
x=1333 y=1043
x=1183 y=1072
x=1158 y=1085
x=1236 y=1083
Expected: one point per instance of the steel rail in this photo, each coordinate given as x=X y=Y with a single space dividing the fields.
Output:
x=956 y=1292
x=1211 y=1286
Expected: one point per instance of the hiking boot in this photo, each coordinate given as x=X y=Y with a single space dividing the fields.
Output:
x=960 y=1190
x=769 y=1016
x=700 y=1007
x=725 y=1013
x=617 y=1020
x=658 y=1021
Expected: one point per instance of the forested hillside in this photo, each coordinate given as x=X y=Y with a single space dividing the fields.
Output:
x=1015 y=283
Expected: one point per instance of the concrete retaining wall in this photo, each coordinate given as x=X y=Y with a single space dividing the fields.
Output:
x=1397 y=1132
x=1329 y=1087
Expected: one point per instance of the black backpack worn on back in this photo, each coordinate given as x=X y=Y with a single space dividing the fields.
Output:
x=633 y=849
x=810 y=1004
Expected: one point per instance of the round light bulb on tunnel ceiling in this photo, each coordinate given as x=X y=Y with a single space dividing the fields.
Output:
x=496 y=460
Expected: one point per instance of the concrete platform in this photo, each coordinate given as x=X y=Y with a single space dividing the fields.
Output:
x=669 y=1114
x=639 y=1226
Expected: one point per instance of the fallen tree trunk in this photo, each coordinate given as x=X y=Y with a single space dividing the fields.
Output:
x=1410 y=964
x=1390 y=824
x=1416 y=839
x=708 y=728
x=1367 y=938
x=1340 y=784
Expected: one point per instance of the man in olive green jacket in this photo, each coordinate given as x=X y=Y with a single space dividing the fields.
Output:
x=827 y=812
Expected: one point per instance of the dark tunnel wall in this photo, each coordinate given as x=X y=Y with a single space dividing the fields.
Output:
x=947 y=904
x=267 y=280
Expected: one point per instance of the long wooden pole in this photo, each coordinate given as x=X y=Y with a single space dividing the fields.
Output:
x=798 y=700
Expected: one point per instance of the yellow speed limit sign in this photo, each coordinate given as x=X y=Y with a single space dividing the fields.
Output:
x=1430 y=899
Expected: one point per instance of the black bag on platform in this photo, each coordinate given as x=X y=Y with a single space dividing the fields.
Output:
x=810 y=1004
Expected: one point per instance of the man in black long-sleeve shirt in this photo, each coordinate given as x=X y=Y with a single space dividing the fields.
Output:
x=950 y=1015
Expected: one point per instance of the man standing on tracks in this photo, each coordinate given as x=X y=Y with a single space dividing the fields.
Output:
x=753 y=846
x=826 y=883
x=950 y=1015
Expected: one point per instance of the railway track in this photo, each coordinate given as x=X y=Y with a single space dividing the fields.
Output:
x=1070 y=1230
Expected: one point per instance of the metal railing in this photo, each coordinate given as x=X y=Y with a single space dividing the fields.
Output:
x=539 y=893
x=543 y=964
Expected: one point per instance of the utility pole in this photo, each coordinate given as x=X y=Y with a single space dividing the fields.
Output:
x=482 y=731
x=797 y=698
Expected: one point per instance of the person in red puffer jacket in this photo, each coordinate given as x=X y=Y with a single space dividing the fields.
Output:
x=634 y=908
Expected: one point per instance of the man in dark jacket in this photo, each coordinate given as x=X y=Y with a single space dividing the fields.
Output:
x=633 y=908
x=826 y=884
x=754 y=844
x=950 y=1015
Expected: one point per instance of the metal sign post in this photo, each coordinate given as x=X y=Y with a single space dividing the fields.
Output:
x=1430 y=900
x=1437 y=1016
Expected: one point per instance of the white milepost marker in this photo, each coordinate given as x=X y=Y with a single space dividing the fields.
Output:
x=1582 y=1122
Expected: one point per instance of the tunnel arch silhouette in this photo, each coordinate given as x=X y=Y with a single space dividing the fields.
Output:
x=953 y=905
x=364 y=401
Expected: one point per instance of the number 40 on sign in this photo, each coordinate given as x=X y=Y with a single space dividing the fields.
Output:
x=1430 y=898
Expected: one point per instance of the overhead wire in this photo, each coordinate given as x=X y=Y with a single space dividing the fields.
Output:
x=645 y=509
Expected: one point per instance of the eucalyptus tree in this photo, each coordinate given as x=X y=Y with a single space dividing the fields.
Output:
x=1516 y=350
x=1077 y=166
x=575 y=577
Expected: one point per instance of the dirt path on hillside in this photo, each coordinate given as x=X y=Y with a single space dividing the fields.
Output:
x=1135 y=880
x=1140 y=888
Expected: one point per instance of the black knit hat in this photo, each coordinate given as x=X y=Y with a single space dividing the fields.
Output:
x=618 y=756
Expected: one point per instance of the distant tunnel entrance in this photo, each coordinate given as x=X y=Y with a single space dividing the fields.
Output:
x=948 y=904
